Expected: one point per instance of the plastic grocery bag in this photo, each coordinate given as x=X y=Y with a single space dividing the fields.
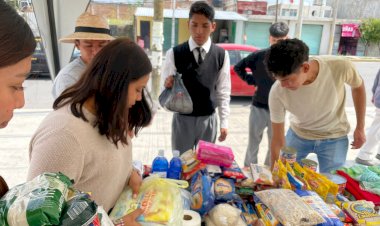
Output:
x=36 y=202
x=160 y=199
x=177 y=98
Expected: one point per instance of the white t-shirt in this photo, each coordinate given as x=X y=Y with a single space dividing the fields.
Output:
x=317 y=109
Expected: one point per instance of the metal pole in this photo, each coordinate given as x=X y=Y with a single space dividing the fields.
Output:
x=54 y=39
x=299 y=21
x=157 y=37
x=275 y=19
x=332 y=28
x=173 y=22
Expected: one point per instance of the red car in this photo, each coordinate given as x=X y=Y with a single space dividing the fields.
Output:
x=238 y=52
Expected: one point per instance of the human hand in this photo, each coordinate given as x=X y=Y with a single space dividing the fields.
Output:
x=134 y=183
x=223 y=134
x=359 y=138
x=169 y=82
x=130 y=219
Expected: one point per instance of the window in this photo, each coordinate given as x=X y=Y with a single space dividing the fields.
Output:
x=234 y=56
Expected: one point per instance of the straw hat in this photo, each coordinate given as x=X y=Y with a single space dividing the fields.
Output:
x=89 y=27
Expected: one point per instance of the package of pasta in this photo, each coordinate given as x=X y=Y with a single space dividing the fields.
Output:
x=36 y=202
x=288 y=208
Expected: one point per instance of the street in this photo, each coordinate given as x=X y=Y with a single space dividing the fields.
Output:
x=14 y=139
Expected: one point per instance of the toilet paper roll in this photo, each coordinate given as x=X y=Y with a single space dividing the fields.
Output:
x=191 y=218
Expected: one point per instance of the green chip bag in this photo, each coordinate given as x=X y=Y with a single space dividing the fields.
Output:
x=36 y=202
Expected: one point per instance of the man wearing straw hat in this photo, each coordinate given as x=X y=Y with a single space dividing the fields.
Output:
x=91 y=34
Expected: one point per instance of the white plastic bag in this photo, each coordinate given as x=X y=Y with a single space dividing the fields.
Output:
x=177 y=98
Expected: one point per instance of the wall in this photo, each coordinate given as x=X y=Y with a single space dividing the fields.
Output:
x=354 y=9
x=184 y=33
x=252 y=8
x=292 y=23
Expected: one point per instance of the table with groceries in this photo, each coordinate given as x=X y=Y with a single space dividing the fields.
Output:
x=207 y=187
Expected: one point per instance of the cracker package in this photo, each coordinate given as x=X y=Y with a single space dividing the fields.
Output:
x=362 y=212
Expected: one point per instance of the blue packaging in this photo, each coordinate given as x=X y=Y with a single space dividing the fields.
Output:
x=160 y=165
x=175 y=167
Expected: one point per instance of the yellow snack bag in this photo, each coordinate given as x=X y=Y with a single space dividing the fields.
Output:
x=333 y=189
x=316 y=183
x=289 y=168
x=275 y=172
x=300 y=174
x=283 y=178
x=159 y=198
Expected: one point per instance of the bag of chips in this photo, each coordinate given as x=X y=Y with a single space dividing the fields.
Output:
x=36 y=202
x=79 y=210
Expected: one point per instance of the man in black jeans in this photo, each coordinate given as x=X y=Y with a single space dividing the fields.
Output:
x=259 y=117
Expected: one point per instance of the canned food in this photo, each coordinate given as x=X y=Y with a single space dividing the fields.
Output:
x=310 y=164
x=288 y=154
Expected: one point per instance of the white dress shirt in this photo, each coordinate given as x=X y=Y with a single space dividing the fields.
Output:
x=223 y=84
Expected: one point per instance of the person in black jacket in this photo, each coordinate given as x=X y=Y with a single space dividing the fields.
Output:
x=259 y=117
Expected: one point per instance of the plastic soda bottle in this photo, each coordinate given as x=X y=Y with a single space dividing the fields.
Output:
x=160 y=165
x=175 y=167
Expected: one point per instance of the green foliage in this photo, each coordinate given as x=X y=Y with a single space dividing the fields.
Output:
x=370 y=32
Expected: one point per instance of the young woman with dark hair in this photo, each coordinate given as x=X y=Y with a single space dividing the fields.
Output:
x=87 y=136
x=16 y=48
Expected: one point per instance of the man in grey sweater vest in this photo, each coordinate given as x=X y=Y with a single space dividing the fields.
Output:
x=205 y=70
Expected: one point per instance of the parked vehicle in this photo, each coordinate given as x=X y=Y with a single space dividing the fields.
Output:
x=39 y=63
x=238 y=52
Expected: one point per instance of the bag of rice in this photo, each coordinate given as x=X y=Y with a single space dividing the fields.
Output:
x=289 y=208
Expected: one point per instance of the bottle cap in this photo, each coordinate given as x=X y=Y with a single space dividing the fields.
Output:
x=161 y=152
x=175 y=153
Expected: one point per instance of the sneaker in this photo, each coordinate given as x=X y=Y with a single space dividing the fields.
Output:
x=366 y=162
x=378 y=156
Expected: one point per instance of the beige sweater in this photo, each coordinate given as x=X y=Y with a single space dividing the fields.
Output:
x=317 y=110
x=67 y=144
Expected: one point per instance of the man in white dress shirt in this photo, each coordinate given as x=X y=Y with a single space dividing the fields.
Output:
x=205 y=70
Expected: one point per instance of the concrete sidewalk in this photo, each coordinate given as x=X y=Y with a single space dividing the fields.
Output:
x=14 y=139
